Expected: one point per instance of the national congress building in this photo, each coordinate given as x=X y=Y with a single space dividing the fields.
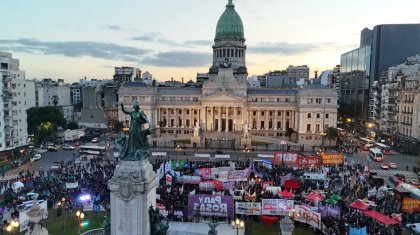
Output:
x=224 y=107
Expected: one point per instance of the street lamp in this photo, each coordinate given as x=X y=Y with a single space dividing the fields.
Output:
x=293 y=214
x=283 y=143
x=238 y=224
x=80 y=216
x=12 y=226
x=178 y=149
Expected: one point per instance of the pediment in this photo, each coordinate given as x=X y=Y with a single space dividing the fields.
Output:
x=223 y=97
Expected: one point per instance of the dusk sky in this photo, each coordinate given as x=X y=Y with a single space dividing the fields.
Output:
x=74 y=39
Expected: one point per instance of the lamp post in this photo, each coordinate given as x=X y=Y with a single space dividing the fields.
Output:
x=12 y=226
x=178 y=149
x=282 y=143
x=80 y=216
x=237 y=225
x=246 y=151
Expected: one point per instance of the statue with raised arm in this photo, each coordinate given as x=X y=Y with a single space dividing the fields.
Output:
x=212 y=227
x=135 y=146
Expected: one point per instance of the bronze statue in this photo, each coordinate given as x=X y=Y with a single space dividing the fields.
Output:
x=159 y=224
x=213 y=226
x=135 y=146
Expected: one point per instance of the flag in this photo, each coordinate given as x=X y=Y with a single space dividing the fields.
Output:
x=168 y=166
x=168 y=179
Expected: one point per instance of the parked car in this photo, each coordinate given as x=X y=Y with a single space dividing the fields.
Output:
x=52 y=149
x=36 y=157
x=385 y=166
x=57 y=165
x=67 y=147
x=393 y=165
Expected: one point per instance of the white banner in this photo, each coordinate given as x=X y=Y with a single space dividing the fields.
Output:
x=24 y=219
x=248 y=208
x=265 y=155
x=276 y=206
x=308 y=216
x=159 y=153
x=203 y=155
x=222 y=156
x=72 y=185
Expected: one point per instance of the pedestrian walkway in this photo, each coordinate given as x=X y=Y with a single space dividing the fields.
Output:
x=394 y=172
x=9 y=177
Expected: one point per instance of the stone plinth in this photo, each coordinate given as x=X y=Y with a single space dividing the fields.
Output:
x=133 y=191
x=286 y=226
x=35 y=214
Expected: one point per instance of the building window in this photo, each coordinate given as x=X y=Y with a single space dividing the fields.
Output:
x=187 y=98
x=278 y=113
x=180 y=111
x=327 y=115
x=195 y=111
x=262 y=125
x=271 y=113
x=188 y=111
x=309 y=115
x=287 y=113
x=318 y=115
x=310 y=101
x=254 y=113
x=195 y=98
x=318 y=101
x=262 y=113
x=238 y=112
x=172 y=98
x=308 y=127
x=287 y=100
x=328 y=101
x=317 y=128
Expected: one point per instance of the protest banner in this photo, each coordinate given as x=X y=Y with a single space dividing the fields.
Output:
x=72 y=185
x=331 y=159
x=210 y=205
x=238 y=175
x=276 y=206
x=248 y=208
x=411 y=205
x=308 y=216
x=188 y=179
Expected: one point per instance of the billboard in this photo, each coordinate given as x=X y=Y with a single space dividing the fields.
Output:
x=276 y=206
x=331 y=159
x=210 y=205
x=248 y=208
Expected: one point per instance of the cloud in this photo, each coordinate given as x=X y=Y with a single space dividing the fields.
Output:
x=199 y=42
x=179 y=59
x=112 y=27
x=285 y=48
x=109 y=51
x=144 y=38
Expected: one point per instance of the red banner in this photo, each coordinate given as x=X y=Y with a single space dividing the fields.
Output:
x=308 y=162
x=331 y=159
x=411 y=205
x=204 y=171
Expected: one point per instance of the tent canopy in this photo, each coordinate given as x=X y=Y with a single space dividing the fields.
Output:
x=381 y=217
x=315 y=197
x=285 y=193
x=359 y=205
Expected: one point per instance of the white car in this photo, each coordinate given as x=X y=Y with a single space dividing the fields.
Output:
x=393 y=165
x=67 y=147
x=95 y=140
x=36 y=157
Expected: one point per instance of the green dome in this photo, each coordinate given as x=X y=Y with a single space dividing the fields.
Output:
x=230 y=23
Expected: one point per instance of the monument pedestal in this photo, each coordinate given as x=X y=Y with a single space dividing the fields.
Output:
x=35 y=214
x=133 y=191
x=246 y=141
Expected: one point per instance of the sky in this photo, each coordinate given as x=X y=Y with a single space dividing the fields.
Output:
x=172 y=38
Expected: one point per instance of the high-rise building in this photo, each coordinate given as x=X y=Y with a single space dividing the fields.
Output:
x=380 y=48
x=126 y=74
x=17 y=98
x=295 y=73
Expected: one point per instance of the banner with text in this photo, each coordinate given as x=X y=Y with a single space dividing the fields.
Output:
x=248 y=208
x=238 y=175
x=276 y=206
x=411 y=205
x=308 y=216
x=331 y=159
x=210 y=205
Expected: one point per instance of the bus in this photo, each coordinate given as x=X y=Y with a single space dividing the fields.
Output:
x=92 y=150
x=376 y=154
x=366 y=144
x=384 y=148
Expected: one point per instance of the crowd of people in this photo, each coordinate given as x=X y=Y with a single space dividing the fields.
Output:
x=91 y=177
x=349 y=181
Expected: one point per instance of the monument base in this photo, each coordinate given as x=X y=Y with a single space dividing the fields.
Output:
x=246 y=141
x=133 y=191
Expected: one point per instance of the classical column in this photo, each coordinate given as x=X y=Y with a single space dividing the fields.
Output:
x=275 y=127
x=267 y=112
x=234 y=119
x=227 y=109
x=219 y=120
x=167 y=117
x=283 y=122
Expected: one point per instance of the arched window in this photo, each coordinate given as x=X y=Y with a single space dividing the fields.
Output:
x=309 y=115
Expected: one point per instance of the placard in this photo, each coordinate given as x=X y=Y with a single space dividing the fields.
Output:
x=210 y=205
x=276 y=206
x=248 y=208
x=411 y=205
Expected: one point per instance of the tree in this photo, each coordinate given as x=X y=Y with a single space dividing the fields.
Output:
x=289 y=133
x=44 y=121
x=115 y=126
x=331 y=134
x=55 y=100
x=72 y=125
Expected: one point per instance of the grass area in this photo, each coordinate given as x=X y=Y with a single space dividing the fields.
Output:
x=66 y=224
x=260 y=143
x=258 y=228
x=186 y=141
